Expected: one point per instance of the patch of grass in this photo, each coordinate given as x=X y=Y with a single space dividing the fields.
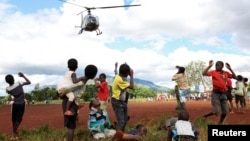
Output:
x=47 y=133
x=42 y=133
x=3 y=137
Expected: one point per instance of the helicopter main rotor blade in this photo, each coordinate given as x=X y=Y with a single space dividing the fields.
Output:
x=114 y=6
x=74 y=4
x=90 y=8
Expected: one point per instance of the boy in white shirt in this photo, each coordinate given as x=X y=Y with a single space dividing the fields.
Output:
x=184 y=128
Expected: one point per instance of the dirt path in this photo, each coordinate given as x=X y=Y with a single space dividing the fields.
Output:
x=37 y=115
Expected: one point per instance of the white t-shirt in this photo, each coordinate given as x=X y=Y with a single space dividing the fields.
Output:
x=184 y=128
x=66 y=81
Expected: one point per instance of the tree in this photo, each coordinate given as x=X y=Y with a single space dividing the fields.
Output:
x=38 y=95
x=44 y=93
x=28 y=97
x=51 y=93
x=141 y=91
x=248 y=87
x=90 y=92
x=37 y=86
x=194 y=74
x=6 y=98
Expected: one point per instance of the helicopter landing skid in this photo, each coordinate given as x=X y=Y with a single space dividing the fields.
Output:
x=98 y=32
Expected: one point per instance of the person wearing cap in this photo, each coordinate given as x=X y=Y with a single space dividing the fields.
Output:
x=182 y=83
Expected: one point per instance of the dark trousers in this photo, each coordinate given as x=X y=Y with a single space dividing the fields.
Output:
x=121 y=112
x=69 y=121
x=17 y=115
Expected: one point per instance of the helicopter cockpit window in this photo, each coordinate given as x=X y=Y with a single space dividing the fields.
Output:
x=93 y=20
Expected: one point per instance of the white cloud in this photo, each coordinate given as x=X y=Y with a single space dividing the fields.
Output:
x=39 y=44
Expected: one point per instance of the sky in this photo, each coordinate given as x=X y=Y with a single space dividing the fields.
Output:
x=38 y=37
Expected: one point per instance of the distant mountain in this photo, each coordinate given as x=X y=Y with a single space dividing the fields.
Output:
x=144 y=83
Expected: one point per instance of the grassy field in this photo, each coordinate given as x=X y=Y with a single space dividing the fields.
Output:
x=47 y=133
x=138 y=110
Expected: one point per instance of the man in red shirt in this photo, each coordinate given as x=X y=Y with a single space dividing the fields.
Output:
x=219 y=82
x=103 y=90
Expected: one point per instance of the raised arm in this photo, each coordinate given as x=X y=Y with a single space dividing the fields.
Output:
x=131 y=74
x=27 y=81
x=211 y=63
x=230 y=69
x=116 y=64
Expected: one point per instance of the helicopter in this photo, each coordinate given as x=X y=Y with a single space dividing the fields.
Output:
x=91 y=22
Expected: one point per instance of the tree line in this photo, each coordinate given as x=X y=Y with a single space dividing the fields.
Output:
x=42 y=94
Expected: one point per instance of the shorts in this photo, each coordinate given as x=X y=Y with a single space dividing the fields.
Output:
x=70 y=121
x=70 y=96
x=107 y=133
x=240 y=99
x=229 y=95
x=219 y=103
x=182 y=96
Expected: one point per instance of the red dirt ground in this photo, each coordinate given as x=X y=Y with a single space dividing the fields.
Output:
x=143 y=112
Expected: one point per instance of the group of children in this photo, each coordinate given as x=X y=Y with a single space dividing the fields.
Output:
x=221 y=89
x=239 y=92
x=99 y=123
x=71 y=88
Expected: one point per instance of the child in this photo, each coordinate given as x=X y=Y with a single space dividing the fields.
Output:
x=182 y=83
x=169 y=126
x=127 y=94
x=69 y=79
x=219 y=82
x=140 y=130
x=90 y=72
x=98 y=122
x=18 y=107
x=118 y=101
x=137 y=134
x=184 y=128
x=239 y=94
x=103 y=90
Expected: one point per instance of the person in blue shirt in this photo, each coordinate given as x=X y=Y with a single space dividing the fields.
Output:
x=98 y=121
